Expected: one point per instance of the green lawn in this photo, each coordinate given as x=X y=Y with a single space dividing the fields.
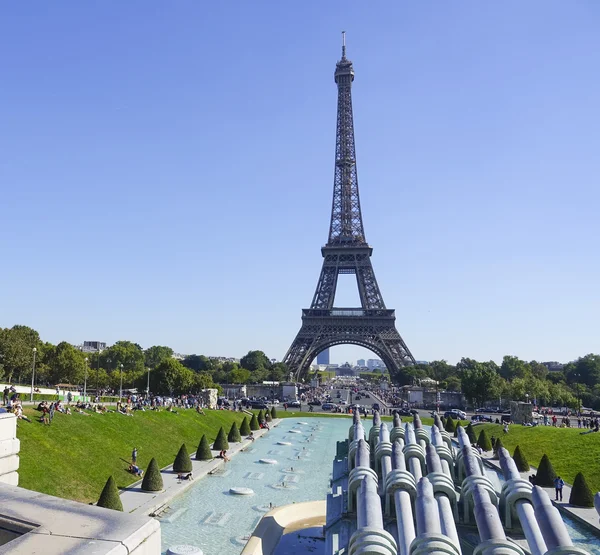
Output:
x=568 y=450
x=74 y=456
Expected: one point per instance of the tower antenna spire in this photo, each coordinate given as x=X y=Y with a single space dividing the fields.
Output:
x=343 y=45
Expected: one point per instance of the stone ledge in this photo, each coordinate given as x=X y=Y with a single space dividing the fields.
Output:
x=8 y=426
x=9 y=447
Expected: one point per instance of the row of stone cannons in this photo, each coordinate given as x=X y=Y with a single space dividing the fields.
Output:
x=408 y=492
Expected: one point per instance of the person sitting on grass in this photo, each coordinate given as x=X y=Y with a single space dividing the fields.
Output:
x=19 y=413
x=135 y=469
x=200 y=410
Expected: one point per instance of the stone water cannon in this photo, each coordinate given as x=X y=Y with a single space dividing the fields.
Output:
x=374 y=431
x=552 y=526
x=465 y=445
x=475 y=485
x=430 y=536
x=400 y=492
x=444 y=453
x=383 y=452
x=358 y=434
x=362 y=471
x=437 y=422
x=355 y=420
x=443 y=485
x=370 y=536
x=413 y=453
x=420 y=433
x=397 y=430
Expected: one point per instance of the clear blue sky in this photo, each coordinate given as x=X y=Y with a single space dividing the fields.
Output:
x=166 y=171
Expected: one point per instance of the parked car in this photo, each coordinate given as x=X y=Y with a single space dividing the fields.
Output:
x=294 y=404
x=402 y=412
x=455 y=414
x=481 y=418
x=376 y=406
x=327 y=406
x=314 y=402
x=258 y=405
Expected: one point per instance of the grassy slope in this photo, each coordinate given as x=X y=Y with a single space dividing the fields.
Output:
x=74 y=456
x=568 y=450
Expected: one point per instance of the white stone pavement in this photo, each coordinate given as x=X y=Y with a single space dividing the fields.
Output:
x=586 y=516
x=149 y=503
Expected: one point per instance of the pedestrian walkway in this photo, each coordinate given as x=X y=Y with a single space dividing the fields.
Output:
x=150 y=502
x=581 y=514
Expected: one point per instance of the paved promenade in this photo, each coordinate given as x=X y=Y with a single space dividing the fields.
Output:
x=149 y=503
x=587 y=516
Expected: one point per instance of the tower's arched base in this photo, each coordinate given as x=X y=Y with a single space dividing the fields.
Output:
x=373 y=329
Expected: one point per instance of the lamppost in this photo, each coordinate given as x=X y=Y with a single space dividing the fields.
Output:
x=121 y=388
x=98 y=375
x=32 y=374
x=85 y=380
x=577 y=376
x=148 y=384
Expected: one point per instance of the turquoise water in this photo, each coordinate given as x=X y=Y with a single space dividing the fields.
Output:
x=219 y=523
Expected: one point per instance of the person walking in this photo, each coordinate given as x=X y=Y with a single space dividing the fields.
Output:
x=558 y=486
x=134 y=456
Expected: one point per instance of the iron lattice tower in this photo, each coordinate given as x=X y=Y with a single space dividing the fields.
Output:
x=371 y=325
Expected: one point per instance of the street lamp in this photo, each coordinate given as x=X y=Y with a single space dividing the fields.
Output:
x=121 y=388
x=148 y=384
x=98 y=375
x=85 y=379
x=33 y=374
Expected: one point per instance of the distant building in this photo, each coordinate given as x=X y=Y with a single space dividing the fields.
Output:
x=92 y=346
x=554 y=366
x=323 y=357
x=361 y=362
x=424 y=362
x=374 y=364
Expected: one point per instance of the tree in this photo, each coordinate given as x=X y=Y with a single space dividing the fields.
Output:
x=520 y=460
x=199 y=363
x=255 y=361
x=513 y=367
x=234 y=434
x=129 y=354
x=220 y=443
x=203 y=380
x=245 y=427
x=545 y=473
x=497 y=446
x=182 y=463
x=581 y=495
x=203 y=452
x=239 y=376
x=483 y=441
x=68 y=365
x=171 y=377
x=109 y=498
x=154 y=355
x=152 y=478
x=16 y=351
x=254 y=422
x=261 y=416
x=450 y=425
x=584 y=370
x=480 y=381
x=273 y=412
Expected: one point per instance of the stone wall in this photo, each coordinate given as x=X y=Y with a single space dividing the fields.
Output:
x=208 y=398
x=521 y=413
x=9 y=449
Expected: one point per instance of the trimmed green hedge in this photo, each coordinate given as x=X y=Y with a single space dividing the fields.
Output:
x=254 y=423
x=203 y=452
x=484 y=441
x=471 y=434
x=450 y=426
x=261 y=416
x=273 y=412
x=109 y=498
x=581 y=495
x=182 y=463
x=520 y=460
x=152 y=478
x=221 y=441
x=245 y=427
x=234 y=434
x=545 y=473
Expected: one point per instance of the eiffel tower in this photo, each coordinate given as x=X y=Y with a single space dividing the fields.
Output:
x=371 y=325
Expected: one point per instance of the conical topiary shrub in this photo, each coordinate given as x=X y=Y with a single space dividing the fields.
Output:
x=254 y=423
x=152 y=479
x=450 y=426
x=203 y=452
x=273 y=412
x=456 y=425
x=182 y=463
x=484 y=442
x=109 y=498
x=221 y=441
x=545 y=473
x=497 y=446
x=234 y=434
x=471 y=434
x=268 y=416
x=520 y=460
x=261 y=416
x=581 y=496
x=245 y=427
x=443 y=422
